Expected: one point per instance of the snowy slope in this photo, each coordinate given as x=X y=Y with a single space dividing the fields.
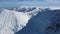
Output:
x=12 y=21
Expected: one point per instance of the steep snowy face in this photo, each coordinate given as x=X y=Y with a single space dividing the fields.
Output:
x=6 y=20
x=12 y=21
x=9 y=23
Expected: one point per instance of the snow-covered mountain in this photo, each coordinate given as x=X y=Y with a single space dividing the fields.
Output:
x=13 y=20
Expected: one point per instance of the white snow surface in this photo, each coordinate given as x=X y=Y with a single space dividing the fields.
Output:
x=12 y=21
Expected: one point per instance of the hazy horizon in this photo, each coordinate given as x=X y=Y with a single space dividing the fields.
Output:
x=40 y=3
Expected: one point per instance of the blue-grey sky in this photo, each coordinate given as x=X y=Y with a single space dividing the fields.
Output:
x=41 y=3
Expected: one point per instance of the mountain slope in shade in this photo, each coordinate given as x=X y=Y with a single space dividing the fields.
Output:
x=46 y=22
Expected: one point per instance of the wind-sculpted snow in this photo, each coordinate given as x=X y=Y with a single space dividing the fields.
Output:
x=12 y=21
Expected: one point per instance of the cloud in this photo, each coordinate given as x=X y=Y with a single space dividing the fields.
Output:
x=19 y=3
x=41 y=3
x=52 y=1
x=21 y=0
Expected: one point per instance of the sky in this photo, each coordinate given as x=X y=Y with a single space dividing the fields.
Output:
x=40 y=3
